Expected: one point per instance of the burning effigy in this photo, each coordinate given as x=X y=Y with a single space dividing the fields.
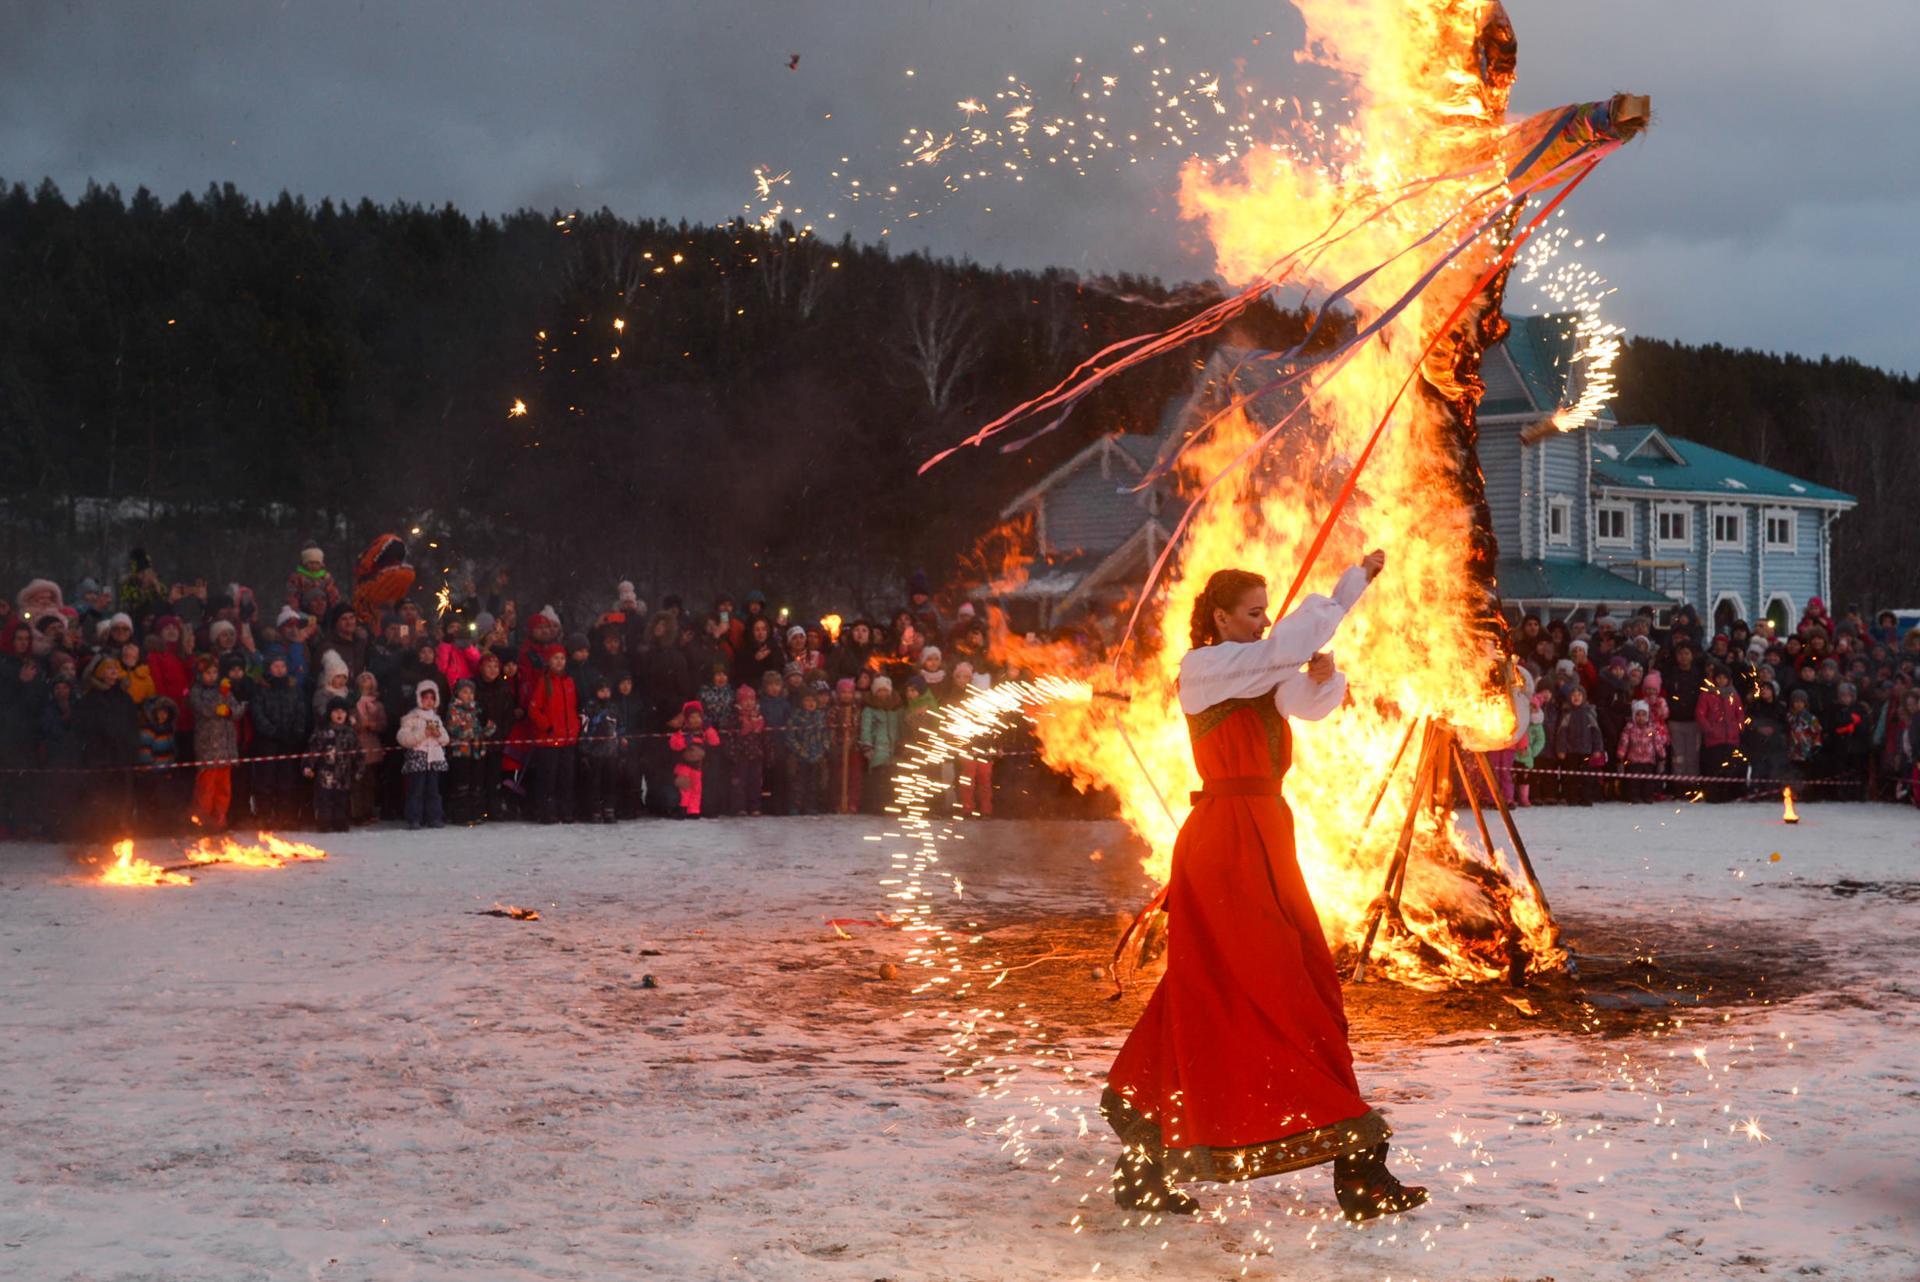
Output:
x=1407 y=228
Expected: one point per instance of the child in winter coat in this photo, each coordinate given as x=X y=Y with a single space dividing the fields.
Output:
x=153 y=790
x=846 y=767
x=717 y=701
x=467 y=732
x=692 y=739
x=1535 y=746
x=1578 y=746
x=370 y=720
x=883 y=724
x=807 y=741
x=333 y=762
x=1640 y=750
x=749 y=751
x=424 y=736
x=1804 y=736
x=600 y=752
x=216 y=743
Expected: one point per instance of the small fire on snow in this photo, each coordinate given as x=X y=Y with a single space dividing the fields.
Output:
x=128 y=869
x=1788 y=814
x=271 y=852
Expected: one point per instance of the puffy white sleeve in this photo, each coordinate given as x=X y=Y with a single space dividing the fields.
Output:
x=1215 y=673
x=1304 y=699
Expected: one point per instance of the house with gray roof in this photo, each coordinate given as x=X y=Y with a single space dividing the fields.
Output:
x=1600 y=515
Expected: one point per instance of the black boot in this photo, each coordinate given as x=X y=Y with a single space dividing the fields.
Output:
x=1368 y=1190
x=1140 y=1184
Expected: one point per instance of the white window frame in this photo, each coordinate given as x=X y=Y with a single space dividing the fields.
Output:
x=1625 y=512
x=1780 y=598
x=1792 y=517
x=1739 y=608
x=1738 y=542
x=1561 y=505
x=1683 y=510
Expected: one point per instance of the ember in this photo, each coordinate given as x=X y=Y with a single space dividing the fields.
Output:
x=510 y=911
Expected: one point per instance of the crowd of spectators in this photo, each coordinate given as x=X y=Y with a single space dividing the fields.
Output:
x=1627 y=709
x=151 y=707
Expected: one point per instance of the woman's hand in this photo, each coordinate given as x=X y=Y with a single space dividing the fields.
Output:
x=1321 y=668
x=1374 y=562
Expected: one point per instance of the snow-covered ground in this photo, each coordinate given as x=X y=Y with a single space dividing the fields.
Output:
x=340 y=1071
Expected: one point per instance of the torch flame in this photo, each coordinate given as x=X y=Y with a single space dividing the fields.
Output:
x=1787 y=813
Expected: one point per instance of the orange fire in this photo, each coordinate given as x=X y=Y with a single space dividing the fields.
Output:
x=271 y=852
x=128 y=869
x=1787 y=813
x=1410 y=649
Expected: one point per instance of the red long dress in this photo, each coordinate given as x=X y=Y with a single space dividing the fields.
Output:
x=1239 y=1066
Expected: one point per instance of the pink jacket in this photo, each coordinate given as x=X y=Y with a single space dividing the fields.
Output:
x=459 y=662
x=1642 y=745
x=1721 y=718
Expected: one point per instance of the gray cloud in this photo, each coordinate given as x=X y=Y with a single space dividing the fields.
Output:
x=1771 y=205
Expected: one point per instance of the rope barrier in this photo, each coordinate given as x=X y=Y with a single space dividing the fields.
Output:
x=1844 y=781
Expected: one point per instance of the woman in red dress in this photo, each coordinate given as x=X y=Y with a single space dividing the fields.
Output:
x=1239 y=1066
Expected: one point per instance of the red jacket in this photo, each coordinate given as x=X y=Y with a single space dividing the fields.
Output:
x=553 y=706
x=1721 y=719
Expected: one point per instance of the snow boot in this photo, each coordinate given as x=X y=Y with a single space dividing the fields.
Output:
x=1367 y=1190
x=1140 y=1184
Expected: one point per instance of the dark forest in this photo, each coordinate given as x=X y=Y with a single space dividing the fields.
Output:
x=219 y=379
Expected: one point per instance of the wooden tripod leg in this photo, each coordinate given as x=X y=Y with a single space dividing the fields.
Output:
x=1466 y=784
x=1385 y=781
x=1513 y=834
x=1396 y=867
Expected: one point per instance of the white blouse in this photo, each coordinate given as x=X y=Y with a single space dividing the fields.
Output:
x=1213 y=674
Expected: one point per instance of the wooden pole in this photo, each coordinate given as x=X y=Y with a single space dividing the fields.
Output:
x=1385 y=782
x=1513 y=834
x=1460 y=767
x=1422 y=787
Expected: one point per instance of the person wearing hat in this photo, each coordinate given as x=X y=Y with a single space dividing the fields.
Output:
x=333 y=762
x=423 y=737
x=1640 y=751
x=105 y=729
x=692 y=739
x=216 y=742
x=279 y=710
x=553 y=718
x=287 y=641
x=883 y=724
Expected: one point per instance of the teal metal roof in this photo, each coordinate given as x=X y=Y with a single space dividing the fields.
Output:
x=1641 y=458
x=1570 y=581
x=1542 y=349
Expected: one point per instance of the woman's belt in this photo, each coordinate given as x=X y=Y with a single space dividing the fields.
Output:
x=1237 y=786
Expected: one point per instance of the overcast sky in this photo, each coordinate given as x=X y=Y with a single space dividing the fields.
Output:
x=1773 y=205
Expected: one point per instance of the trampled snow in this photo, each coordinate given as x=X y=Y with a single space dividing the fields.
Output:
x=341 y=1070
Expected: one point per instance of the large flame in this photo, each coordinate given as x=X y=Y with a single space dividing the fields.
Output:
x=1411 y=649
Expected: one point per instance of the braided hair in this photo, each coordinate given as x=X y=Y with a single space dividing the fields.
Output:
x=1223 y=592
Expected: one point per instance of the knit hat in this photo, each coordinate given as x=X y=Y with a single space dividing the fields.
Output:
x=1577 y=644
x=918 y=584
x=1641 y=705
x=577 y=641
x=883 y=684
x=931 y=652
x=425 y=688
x=1651 y=681
x=337 y=702
x=464 y=683
x=692 y=705
x=844 y=685
x=796 y=631
x=331 y=664
x=747 y=694
x=625 y=591
x=287 y=615
x=756 y=597
x=217 y=627
x=550 y=614
x=483 y=623
x=205 y=660
x=88 y=586
x=966 y=610
x=312 y=555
